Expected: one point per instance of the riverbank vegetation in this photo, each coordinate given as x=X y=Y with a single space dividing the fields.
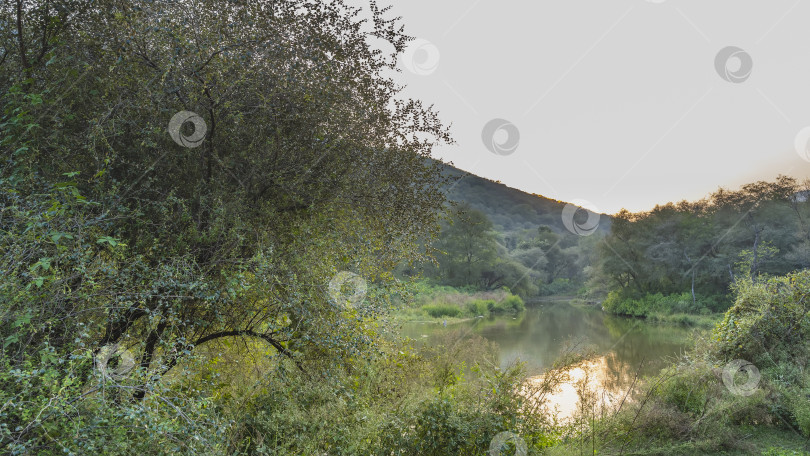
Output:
x=686 y=257
x=472 y=253
x=440 y=302
x=209 y=215
x=744 y=389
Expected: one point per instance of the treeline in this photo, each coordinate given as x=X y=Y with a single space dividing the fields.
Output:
x=688 y=254
x=541 y=260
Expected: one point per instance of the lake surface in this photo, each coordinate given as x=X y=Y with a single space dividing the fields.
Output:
x=624 y=346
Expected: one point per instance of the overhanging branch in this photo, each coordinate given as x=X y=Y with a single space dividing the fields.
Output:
x=244 y=332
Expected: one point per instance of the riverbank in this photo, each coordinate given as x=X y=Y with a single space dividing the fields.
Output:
x=705 y=320
x=449 y=305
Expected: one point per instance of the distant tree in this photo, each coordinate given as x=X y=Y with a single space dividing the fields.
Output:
x=467 y=246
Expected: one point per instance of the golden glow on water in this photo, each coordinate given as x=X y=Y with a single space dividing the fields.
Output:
x=598 y=380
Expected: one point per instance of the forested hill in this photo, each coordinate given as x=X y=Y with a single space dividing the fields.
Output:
x=508 y=208
x=498 y=236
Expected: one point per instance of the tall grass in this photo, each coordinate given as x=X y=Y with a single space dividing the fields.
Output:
x=448 y=302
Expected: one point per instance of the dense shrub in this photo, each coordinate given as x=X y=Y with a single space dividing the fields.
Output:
x=769 y=322
x=438 y=304
x=441 y=310
x=442 y=426
x=619 y=303
x=690 y=389
x=478 y=307
x=512 y=303
x=393 y=405
x=801 y=411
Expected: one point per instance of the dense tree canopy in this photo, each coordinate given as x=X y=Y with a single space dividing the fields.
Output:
x=703 y=247
x=307 y=162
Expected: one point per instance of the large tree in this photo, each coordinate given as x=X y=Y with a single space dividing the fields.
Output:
x=116 y=233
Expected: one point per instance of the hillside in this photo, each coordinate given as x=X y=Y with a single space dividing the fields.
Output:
x=508 y=208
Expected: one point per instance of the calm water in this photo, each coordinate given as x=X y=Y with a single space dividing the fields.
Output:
x=537 y=336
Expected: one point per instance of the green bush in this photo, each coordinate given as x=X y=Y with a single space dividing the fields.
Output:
x=441 y=310
x=477 y=307
x=511 y=303
x=649 y=304
x=773 y=314
x=801 y=411
x=491 y=304
x=689 y=390
x=441 y=426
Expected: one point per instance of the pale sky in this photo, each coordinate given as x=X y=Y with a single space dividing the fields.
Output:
x=618 y=103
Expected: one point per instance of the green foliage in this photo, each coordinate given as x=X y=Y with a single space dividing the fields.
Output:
x=707 y=245
x=468 y=247
x=767 y=326
x=650 y=304
x=769 y=322
x=112 y=235
x=441 y=427
x=438 y=301
x=560 y=285
x=438 y=311
x=480 y=307
x=801 y=411
x=472 y=308
x=512 y=304
x=472 y=251
x=784 y=452
x=690 y=389
x=390 y=405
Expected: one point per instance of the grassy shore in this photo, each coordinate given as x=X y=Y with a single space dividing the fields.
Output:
x=439 y=304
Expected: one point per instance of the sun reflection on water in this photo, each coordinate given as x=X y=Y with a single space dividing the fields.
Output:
x=603 y=381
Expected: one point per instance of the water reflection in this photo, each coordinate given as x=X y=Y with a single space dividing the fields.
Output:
x=597 y=379
x=538 y=335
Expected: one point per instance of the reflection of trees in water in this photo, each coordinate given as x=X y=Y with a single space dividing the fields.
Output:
x=618 y=375
x=618 y=326
x=601 y=381
x=538 y=335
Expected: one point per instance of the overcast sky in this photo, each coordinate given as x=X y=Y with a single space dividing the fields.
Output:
x=621 y=103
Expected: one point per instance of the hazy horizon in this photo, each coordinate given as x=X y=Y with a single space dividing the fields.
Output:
x=660 y=203
x=620 y=104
